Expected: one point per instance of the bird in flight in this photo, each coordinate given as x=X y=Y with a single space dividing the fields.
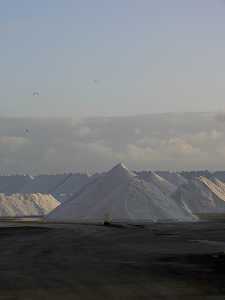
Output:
x=36 y=94
x=96 y=81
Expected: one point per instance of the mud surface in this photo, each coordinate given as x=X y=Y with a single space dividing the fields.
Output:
x=160 y=261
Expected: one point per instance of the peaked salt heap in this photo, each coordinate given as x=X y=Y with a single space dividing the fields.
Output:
x=202 y=195
x=173 y=177
x=122 y=196
x=165 y=186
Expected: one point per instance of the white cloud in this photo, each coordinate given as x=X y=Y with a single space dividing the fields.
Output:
x=140 y=154
x=179 y=147
x=190 y=141
x=84 y=131
x=13 y=140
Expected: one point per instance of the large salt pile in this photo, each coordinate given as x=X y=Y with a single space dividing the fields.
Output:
x=202 y=195
x=173 y=177
x=121 y=196
x=72 y=185
x=164 y=185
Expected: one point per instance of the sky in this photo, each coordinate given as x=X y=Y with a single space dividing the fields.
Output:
x=111 y=58
x=170 y=141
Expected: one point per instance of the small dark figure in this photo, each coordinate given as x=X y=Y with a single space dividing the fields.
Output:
x=106 y=223
x=107 y=220
x=96 y=81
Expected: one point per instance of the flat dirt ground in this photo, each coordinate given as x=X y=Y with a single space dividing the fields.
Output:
x=71 y=261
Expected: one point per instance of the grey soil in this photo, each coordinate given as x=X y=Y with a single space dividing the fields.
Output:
x=154 y=261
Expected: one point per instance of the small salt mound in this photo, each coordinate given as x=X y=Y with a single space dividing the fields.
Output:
x=26 y=205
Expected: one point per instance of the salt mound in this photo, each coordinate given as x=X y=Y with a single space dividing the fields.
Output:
x=71 y=185
x=26 y=205
x=164 y=185
x=173 y=177
x=121 y=195
x=202 y=195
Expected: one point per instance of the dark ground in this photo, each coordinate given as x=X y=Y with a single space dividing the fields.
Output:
x=158 y=261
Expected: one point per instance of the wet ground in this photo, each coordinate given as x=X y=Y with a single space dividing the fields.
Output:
x=71 y=261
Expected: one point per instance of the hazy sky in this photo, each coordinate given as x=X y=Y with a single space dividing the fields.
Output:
x=187 y=141
x=103 y=57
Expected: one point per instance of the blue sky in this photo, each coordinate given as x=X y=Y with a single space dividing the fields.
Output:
x=147 y=56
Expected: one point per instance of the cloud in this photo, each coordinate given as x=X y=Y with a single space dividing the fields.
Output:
x=179 y=147
x=166 y=153
x=167 y=141
x=137 y=131
x=13 y=141
x=140 y=154
x=84 y=131
x=220 y=117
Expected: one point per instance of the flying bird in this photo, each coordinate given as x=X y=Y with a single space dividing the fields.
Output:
x=96 y=81
x=36 y=94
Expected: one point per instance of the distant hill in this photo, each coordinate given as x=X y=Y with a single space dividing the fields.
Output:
x=61 y=186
